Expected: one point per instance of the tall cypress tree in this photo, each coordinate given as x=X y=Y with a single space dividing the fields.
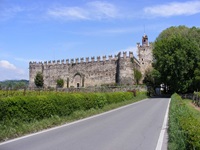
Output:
x=39 y=81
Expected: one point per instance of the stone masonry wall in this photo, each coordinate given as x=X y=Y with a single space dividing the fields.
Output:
x=145 y=55
x=86 y=73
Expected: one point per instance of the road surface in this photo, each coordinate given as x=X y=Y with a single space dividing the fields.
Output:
x=133 y=127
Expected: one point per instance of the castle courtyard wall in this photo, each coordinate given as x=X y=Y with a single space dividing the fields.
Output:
x=95 y=72
x=85 y=73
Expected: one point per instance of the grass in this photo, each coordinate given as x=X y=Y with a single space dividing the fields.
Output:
x=16 y=129
x=191 y=107
x=184 y=123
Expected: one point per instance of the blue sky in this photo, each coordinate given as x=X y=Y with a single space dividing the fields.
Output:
x=42 y=30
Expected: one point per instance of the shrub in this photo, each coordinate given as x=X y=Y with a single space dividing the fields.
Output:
x=60 y=83
x=37 y=107
x=184 y=131
x=39 y=81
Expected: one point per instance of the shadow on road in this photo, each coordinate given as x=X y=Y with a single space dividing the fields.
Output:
x=161 y=96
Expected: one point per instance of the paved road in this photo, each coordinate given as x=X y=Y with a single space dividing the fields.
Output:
x=135 y=127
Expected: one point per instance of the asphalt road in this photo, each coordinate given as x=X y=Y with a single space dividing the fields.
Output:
x=134 y=127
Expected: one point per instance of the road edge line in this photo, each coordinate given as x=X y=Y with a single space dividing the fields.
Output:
x=71 y=123
x=164 y=128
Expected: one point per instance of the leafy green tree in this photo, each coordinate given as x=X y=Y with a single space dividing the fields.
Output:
x=152 y=78
x=137 y=75
x=176 y=52
x=197 y=77
x=39 y=81
x=9 y=86
x=60 y=83
x=19 y=85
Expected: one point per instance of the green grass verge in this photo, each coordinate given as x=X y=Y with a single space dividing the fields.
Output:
x=184 y=125
x=15 y=127
x=190 y=105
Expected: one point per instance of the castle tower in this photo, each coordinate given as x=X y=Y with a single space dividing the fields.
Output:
x=145 y=54
x=145 y=40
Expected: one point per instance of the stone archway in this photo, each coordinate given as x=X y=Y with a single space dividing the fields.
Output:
x=77 y=81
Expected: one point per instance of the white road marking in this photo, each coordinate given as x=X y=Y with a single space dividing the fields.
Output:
x=68 y=124
x=164 y=128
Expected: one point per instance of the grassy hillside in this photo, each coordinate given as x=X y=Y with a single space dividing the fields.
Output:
x=14 y=84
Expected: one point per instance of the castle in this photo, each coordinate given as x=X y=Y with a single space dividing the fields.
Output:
x=94 y=72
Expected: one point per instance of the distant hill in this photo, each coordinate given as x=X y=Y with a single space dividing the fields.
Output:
x=14 y=84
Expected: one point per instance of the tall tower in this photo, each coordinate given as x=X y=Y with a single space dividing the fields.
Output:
x=145 y=54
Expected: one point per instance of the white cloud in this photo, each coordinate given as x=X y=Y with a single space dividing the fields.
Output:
x=7 y=12
x=68 y=13
x=174 y=9
x=103 y=9
x=7 y=65
x=96 y=10
x=7 y=69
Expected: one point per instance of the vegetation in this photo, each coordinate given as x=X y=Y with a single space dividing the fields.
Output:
x=39 y=81
x=60 y=83
x=24 y=114
x=152 y=81
x=177 y=54
x=196 y=99
x=137 y=75
x=14 y=84
x=184 y=122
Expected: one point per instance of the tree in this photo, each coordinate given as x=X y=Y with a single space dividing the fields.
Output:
x=152 y=80
x=39 y=82
x=137 y=75
x=197 y=77
x=60 y=83
x=176 y=52
x=19 y=85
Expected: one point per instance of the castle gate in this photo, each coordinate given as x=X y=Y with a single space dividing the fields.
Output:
x=77 y=80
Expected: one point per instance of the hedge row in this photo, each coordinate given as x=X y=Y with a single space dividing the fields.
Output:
x=29 y=108
x=184 y=131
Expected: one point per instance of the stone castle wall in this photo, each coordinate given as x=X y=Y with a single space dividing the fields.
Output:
x=145 y=55
x=86 y=73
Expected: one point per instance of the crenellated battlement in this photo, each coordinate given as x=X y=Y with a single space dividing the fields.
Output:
x=94 y=71
x=86 y=60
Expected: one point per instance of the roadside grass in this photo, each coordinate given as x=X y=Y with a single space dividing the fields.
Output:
x=184 y=123
x=15 y=128
x=191 y=107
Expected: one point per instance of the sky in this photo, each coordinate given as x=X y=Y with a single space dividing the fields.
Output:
x=43 y=30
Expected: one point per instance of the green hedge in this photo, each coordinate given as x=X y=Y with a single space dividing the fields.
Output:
x=184 y=127
x=30 y=108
